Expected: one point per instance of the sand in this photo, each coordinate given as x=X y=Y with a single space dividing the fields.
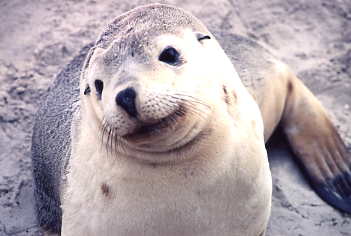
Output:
x=39 y=37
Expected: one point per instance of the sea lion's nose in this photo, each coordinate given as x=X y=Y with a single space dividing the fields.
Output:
x=126 y=100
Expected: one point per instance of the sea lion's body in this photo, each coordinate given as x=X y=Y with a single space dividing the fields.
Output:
x=227 y=192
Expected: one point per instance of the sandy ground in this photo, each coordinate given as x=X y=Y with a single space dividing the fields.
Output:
x=38 y=37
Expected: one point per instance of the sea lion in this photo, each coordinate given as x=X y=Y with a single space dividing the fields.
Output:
x=161 y=137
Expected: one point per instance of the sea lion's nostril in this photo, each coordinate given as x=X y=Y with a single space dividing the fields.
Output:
x=126 y=100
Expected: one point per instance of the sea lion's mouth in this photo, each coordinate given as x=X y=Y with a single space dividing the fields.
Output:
x=144 y=129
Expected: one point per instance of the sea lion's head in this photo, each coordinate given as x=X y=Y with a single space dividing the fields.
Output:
x=156 y=81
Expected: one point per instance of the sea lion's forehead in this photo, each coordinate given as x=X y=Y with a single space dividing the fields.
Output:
x=140 y=26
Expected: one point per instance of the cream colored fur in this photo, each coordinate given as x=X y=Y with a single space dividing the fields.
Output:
x=220 y=186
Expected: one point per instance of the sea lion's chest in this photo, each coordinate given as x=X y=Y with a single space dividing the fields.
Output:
x=151 y=200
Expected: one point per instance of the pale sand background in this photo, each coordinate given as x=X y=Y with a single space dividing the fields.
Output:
x=38 y=37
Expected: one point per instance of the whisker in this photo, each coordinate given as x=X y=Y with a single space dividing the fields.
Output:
x=190 y=98
x=193 y=105
x=102 y=133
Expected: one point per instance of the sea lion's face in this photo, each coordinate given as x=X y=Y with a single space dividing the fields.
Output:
x=161 y=94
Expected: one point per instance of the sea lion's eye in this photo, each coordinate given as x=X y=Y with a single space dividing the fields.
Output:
x=99 y=85
x=170 y=56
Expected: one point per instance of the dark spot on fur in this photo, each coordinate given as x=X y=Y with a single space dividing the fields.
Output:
x=225 y=90
x=290 y=87
x=87 y=90
x=226 y=96
x=105 y=189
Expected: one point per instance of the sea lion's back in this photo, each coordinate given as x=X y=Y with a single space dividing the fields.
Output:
x=51 y=142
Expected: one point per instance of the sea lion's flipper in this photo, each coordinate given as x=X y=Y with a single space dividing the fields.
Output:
x=317 y=145
x=284 y=100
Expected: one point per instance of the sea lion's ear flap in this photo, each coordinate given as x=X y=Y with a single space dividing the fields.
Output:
x=84 y=84
x=201 y=36
x=93 y=51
